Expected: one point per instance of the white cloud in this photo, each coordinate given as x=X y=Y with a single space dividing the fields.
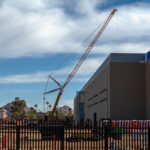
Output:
x=127 y=47
x=89 y=66
x=41 y=76
x=88 y=7
x=33 y=28
x=68 y=102
x=26 y=4
x=25 y=78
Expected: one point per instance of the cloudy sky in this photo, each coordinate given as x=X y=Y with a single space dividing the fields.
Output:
x=42 y=37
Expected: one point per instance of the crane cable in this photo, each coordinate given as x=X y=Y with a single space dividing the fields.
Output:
x=73 y=53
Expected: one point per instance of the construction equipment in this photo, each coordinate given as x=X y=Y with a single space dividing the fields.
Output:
x=60 y=88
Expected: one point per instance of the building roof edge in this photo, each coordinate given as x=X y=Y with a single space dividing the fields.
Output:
x=116 y=57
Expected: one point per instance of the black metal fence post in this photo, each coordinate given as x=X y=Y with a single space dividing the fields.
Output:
x=62 y=138
x=17 y=137
x=106 y=137
x=148 y=138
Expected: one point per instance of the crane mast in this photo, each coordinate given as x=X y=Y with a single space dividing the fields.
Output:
x=79 y=63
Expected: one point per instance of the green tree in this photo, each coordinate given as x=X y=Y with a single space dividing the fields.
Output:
x=18 y=108
x=32 y=114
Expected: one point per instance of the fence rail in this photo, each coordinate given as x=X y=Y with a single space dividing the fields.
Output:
x=47 y=135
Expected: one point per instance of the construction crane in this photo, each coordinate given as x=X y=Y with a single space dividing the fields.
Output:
x=61 y=87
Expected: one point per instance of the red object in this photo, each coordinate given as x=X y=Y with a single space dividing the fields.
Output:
x=135 y=125
x=3 y=141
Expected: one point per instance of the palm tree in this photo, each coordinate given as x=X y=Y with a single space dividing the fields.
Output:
x=49 y=107
x=36 y=106
x=47 y=103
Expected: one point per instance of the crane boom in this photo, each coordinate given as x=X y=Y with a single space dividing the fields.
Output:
x=79 y=63
x=89 y=48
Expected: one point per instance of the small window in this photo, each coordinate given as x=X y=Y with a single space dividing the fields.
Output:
x=104 y=99
x=102 y=91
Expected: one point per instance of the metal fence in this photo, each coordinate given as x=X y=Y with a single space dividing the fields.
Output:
x=47 y=135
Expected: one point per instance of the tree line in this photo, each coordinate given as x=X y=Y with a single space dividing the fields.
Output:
x=19 y=110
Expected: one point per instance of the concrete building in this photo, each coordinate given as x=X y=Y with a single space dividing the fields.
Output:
x=120 y=89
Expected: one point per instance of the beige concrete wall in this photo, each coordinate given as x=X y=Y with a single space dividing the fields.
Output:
x=96 y=96
x=127 y=90
x=119 y=92
x=147 y=84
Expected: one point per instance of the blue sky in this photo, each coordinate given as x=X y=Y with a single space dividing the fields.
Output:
x=36 y=36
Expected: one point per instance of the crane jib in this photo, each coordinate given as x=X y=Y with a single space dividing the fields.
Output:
x=81 y=60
